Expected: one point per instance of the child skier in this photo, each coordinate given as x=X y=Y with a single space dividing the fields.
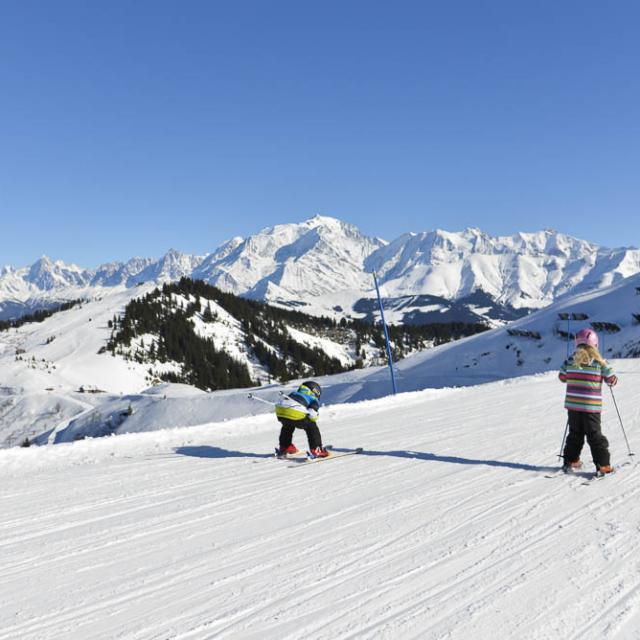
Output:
x=300 y=410
x=583 y=374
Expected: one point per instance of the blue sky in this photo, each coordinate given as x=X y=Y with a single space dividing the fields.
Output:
x=130 y=127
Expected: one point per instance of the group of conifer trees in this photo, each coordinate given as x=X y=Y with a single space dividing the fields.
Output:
x=176 y=341
x=168 y=314
x=40 y=315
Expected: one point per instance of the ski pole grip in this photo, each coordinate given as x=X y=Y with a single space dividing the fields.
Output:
x=252 y=397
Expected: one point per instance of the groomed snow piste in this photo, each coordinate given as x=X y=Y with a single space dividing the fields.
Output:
x=445 y=527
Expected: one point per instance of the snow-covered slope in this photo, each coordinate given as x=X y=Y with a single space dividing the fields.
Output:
x=185 y=527
x=445 y=527
x=43 y=366
x=533 y=344
x=51 y=372
x=325 y=266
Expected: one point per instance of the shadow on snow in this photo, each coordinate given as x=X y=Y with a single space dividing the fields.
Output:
x=434 y=457
x=217 y=452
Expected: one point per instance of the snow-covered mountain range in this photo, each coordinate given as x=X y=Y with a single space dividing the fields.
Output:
x=43 y=365
x=325 y=266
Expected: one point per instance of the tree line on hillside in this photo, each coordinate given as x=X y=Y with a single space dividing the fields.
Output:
x=172 y=324
x=202 y=365
x=406 y=338
x=40 y=315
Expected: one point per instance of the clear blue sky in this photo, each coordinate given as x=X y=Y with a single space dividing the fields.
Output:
x=130 y=127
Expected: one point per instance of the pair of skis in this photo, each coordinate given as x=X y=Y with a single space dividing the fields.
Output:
x=586 y=477
x=307 y=457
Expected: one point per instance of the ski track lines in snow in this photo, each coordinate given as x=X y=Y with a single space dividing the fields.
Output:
x=445 y=527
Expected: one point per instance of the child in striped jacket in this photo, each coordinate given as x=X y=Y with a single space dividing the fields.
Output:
x=583 y=374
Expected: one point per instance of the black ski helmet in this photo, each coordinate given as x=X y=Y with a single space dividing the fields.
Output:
x=314 y=387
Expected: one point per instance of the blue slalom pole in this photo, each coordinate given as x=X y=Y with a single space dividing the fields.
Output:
x=386 y=336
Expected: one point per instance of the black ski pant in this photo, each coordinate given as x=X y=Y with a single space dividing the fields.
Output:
x=289 y=426
x=584 y=424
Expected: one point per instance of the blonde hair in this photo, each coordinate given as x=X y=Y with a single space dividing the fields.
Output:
x=585 y=355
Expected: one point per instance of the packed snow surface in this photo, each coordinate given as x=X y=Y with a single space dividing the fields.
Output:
x=445 y=527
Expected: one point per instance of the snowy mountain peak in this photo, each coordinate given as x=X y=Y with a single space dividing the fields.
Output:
x=295 y=261
x=172 y=266
x=41 y=273
x=117 y=273
x=324 y=220
x=46 y=274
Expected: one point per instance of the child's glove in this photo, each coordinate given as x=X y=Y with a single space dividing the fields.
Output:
x=612 y=381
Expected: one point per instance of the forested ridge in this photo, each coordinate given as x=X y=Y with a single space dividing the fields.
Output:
x=171 y=315
x=39 y=315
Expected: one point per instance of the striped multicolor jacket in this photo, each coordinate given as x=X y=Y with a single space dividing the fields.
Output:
x=584 y=385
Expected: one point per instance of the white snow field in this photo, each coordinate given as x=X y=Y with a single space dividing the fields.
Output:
x=40 y=398
x=445 y=527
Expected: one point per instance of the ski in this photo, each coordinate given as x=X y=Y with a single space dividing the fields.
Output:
x=568 y=474
x=299 y=455
x=586 y=477
x=333 y=456
x=602 y=476
x=288 y=456
x=598 y=476
x=595 y=477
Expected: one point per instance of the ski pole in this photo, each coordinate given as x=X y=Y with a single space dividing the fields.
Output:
x=252 y=397
x=564 y=439
x=615 y=404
